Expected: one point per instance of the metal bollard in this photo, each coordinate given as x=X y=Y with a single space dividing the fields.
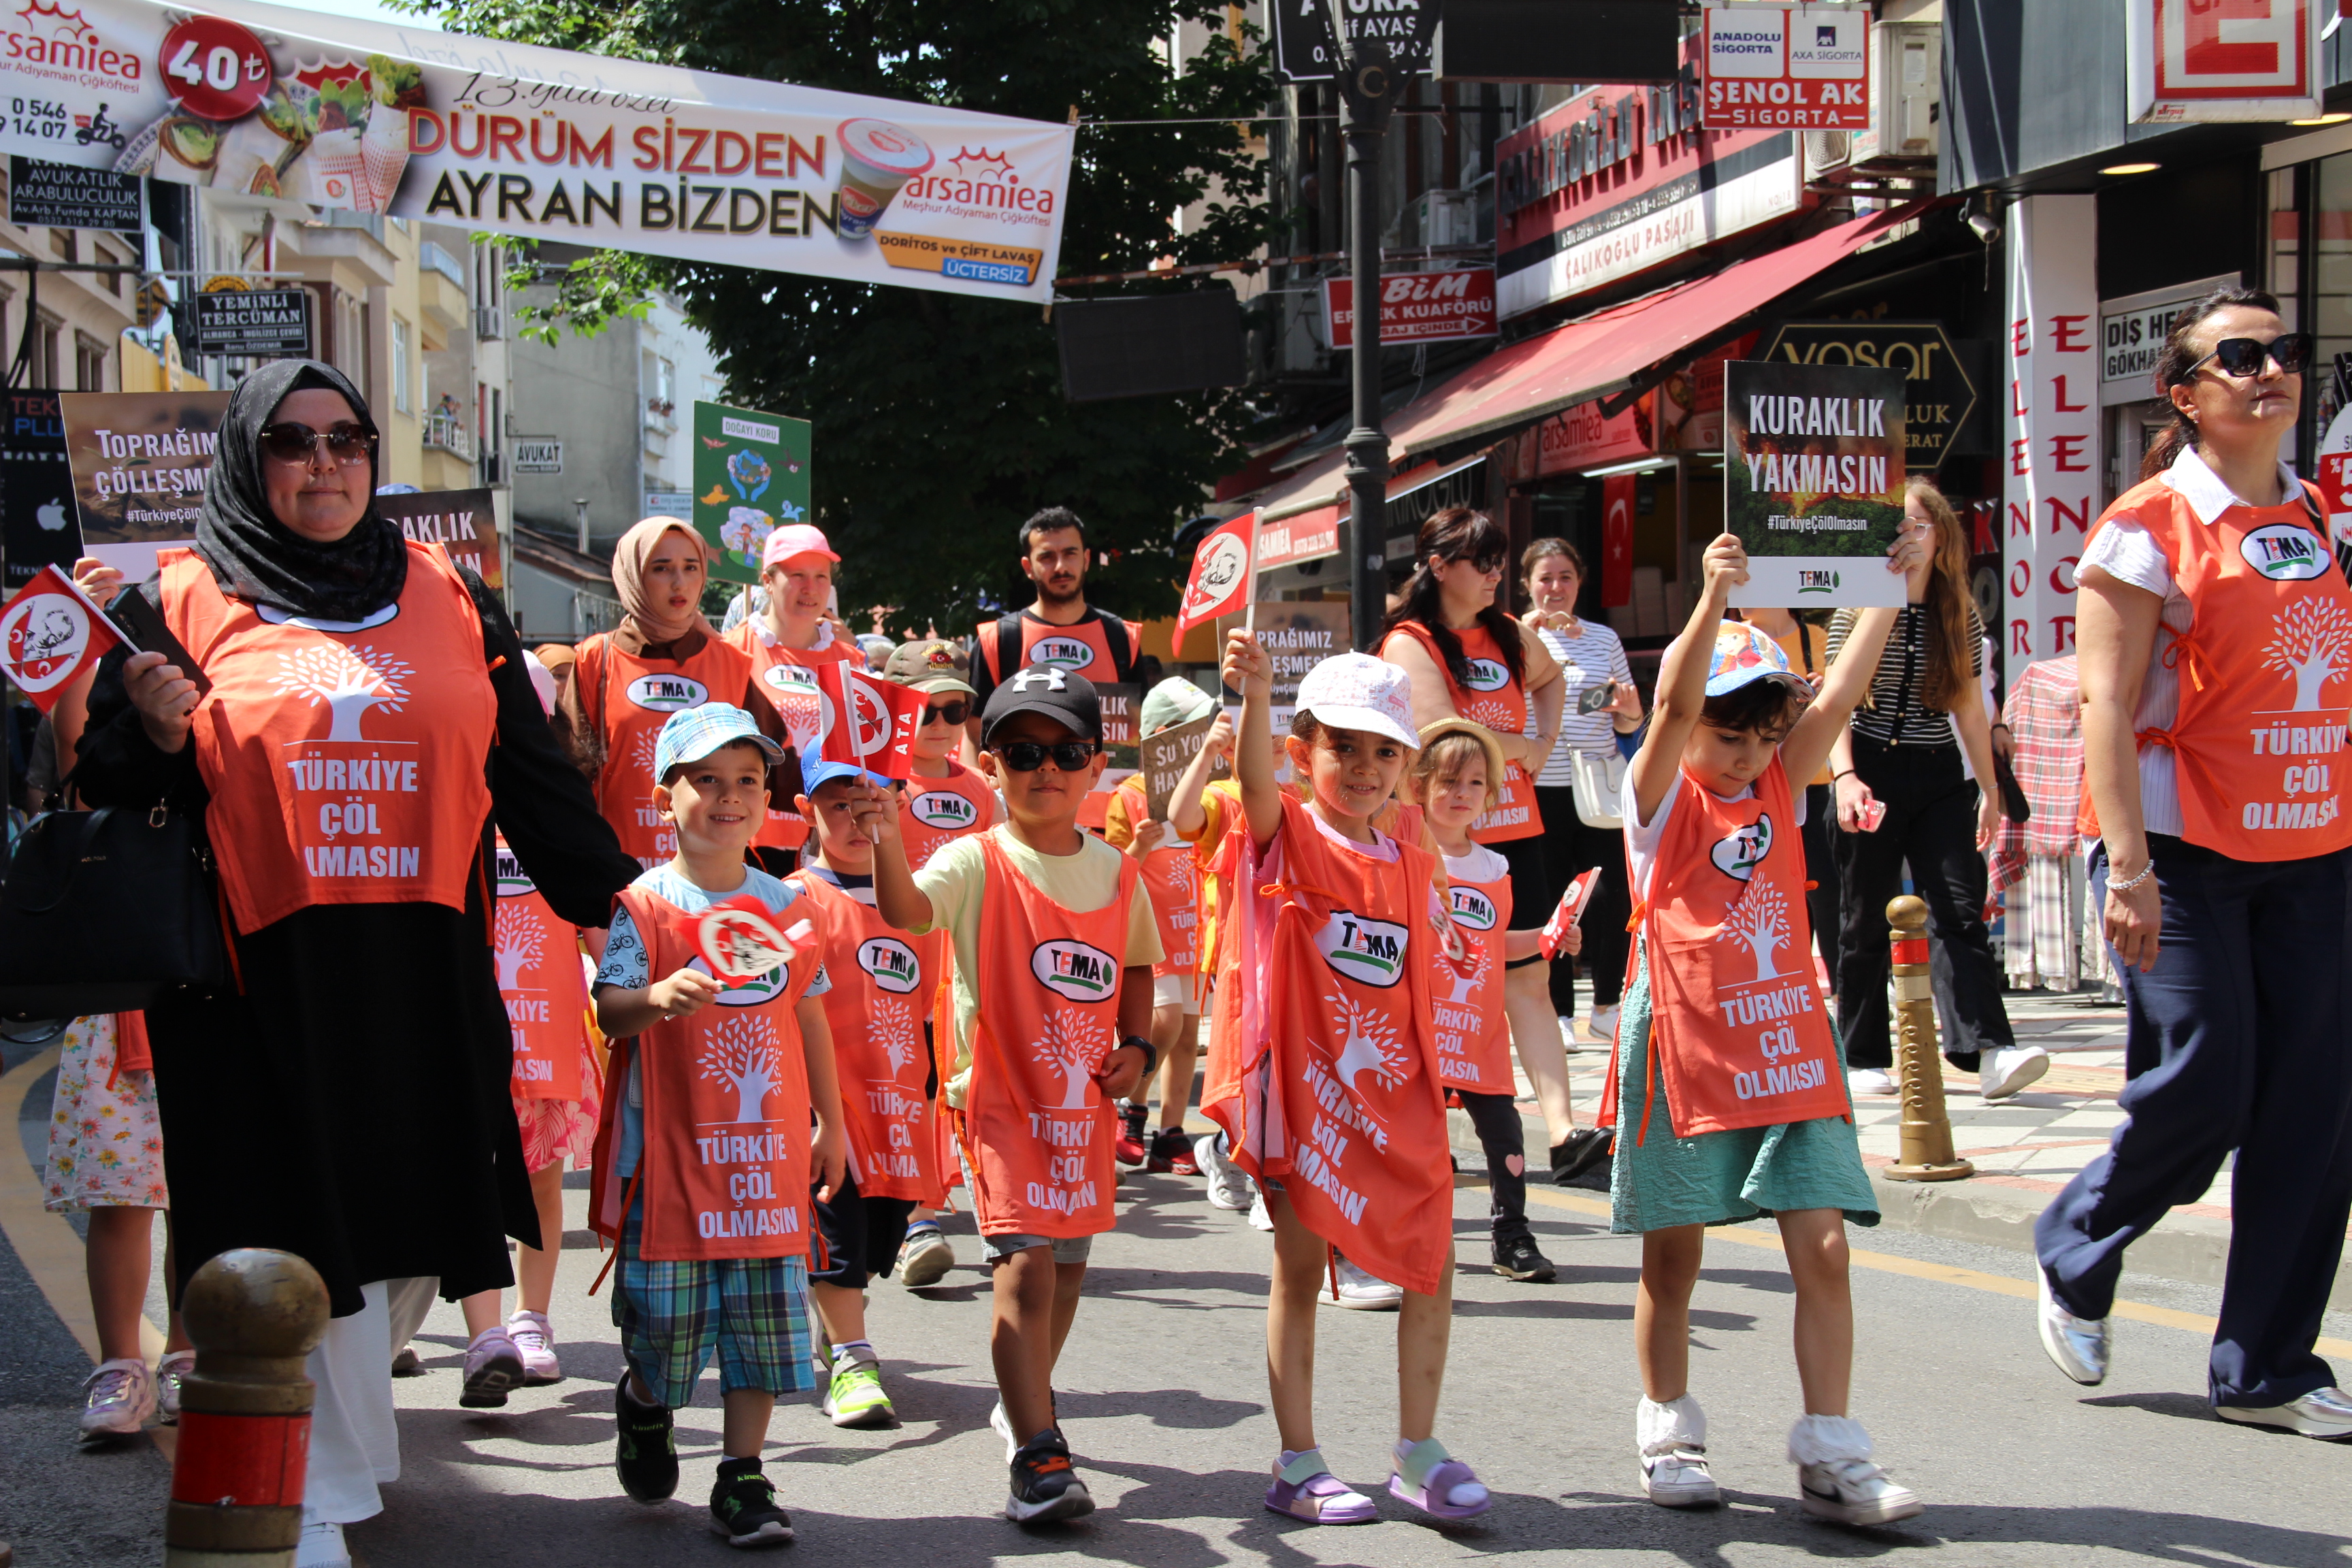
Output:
x=1927 y=1127
x=244 y=1413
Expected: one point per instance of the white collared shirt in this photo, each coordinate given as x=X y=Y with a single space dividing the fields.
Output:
x=2129 y=554
x=770 y=639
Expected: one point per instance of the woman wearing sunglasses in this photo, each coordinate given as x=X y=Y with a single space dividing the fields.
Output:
x=367 y=710
x=1469 y=659
x=2216 y=663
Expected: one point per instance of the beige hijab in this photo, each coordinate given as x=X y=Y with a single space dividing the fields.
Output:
x=629 y=557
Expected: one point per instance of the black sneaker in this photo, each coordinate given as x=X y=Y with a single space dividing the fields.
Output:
x=1519 y=1260
x=1576 y=1155
x=1045 y=1486
x=743 y=1506
x=646 y=1457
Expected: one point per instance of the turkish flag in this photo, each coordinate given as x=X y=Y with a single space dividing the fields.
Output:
x=1616 y=540
x=1222 y=575
x=868 y=722
x=50 y=634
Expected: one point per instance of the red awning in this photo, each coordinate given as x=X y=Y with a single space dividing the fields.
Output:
x=1603 y=352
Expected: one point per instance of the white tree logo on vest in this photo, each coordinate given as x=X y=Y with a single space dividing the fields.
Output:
x=1760 y=923
x=742 y=1052
x=349 y=681
x=1371 y=1045
x=1072 y=1046
x=894 y=1030
x=642 y=752
x=518 y=944
x=2313 y=645
x=1467 y=987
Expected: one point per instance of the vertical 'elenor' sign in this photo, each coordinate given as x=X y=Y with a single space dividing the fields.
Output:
x=1812 y=481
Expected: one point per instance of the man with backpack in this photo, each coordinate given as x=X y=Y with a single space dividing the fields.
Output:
x=1059 y=627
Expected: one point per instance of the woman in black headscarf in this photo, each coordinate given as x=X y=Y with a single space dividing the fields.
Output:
x=368 y=710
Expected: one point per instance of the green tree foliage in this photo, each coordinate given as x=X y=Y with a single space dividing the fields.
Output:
x=940 y=419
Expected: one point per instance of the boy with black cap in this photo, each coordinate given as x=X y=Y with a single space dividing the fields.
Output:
x=1054 y=943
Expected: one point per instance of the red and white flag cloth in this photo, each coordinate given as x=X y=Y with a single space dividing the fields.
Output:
x=739 y=941
x=1572 y=909
x=868 y=722
x=1222 y=575
x=49 y=633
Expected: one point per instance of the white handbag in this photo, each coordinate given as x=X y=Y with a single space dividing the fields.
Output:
x=1599 y=779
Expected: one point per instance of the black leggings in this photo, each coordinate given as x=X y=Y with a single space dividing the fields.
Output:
x=1500 y=1134
x=1572 y=849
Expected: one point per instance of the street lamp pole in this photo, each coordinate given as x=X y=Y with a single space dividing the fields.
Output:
x=1368 y=89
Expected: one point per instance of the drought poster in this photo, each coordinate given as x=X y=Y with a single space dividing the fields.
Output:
x=1812 y=481
x=139 y=460
x=750 y=477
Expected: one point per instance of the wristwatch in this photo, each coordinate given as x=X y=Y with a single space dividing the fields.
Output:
x=1151 y=1053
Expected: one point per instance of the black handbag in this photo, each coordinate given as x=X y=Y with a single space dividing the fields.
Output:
x=106 y=911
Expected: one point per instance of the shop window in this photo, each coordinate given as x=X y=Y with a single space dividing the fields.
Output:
x=90 y=363
x=403 y=400
x=49 y=350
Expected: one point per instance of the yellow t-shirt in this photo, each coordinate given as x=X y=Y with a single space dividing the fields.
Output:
x=1083 y=882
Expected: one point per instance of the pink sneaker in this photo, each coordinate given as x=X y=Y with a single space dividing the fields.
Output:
x=121 y=1397
x=536 y=1340
x=169 y=1373
x=493 y=1370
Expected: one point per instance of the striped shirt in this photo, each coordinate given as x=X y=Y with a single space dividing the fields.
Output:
x=1894 y=714
x=1592 y=655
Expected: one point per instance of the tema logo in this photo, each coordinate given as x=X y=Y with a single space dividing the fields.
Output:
x=748 y=992
x=1811 y=581
x=1062 y=653
x=1740 y=852
x=2284 y=553
x=943 y=809
x=1366 y=949
x=1472 y=907
x=891 y=963
x=512 y=882
x=667 y=693
x=1488 y=675
x=1075 y=970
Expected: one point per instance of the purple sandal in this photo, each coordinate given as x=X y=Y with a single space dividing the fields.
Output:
x=1304 y=1487
x=1448 y=1489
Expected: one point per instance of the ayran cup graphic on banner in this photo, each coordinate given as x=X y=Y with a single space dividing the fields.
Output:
x=877 y=159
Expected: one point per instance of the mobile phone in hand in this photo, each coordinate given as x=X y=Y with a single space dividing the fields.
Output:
x=1594 y=698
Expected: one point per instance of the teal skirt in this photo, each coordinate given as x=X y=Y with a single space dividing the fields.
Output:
x=1718 y=1178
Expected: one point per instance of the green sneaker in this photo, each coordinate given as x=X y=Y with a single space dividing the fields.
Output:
x=856 y=1398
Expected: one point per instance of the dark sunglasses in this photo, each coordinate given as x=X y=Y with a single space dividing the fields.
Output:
x=2243 y=356
x=1028 y=756
x=288 y=442
x=1486 y=561
x=954 y=712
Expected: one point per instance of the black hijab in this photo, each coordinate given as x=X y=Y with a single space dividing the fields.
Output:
x=256 y=558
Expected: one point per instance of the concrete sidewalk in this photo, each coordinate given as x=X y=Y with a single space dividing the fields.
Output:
x=2025 y=1149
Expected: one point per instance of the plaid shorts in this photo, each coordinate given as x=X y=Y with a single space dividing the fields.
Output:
x=753 y=1311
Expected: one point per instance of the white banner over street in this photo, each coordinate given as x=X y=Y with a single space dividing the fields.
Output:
x=260 y=100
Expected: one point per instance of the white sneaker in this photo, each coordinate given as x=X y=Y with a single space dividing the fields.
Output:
x=1229 y=1186
x=321 y=1546
x=1359 y=1291
x=1680 y=1478
x=925 y=1258
x=120 y=1398
x=2322 y=1413
x=536 y=1340
x=168 y=1373
x=1871 y=1080
x=2009 y=1068
x=1854 y=1492
x=1603 y=1022
x=1260 y=1216
x=2078 y=1345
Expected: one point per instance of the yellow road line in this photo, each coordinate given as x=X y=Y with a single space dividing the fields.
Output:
x=1941 y=1273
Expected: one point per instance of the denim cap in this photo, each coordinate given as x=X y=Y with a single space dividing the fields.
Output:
x=1356 y=691
x=1744 y=653
x=691 y=734
x=815 y=774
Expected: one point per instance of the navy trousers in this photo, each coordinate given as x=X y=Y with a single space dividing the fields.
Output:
x=2237 y=1042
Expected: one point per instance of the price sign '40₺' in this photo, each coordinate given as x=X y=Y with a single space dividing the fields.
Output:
x=217 y=68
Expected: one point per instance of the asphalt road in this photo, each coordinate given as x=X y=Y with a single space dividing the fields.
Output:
x=1164 y=1397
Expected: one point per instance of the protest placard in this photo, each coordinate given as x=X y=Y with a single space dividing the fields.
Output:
x=1813 y=470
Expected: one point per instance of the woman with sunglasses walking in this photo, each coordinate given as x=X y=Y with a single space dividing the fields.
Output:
x=1469 y=659
x=364 y=710
x=2216 y=664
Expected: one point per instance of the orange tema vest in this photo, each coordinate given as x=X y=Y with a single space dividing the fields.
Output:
x=933 y=813
x=1495 y=699
x=1082 y=649
x=725 y=1170
x=2265 y=676
x=632 y=699
x=1037 y=1125
x=346 y=766
x=787 y=678
x=1323 y=1062
x=1171 y=875
x=1473 y=1034
x=1735 y=1016
x=881 y=997
x=540 y=982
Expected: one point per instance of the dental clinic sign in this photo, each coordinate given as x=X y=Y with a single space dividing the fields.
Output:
x=2224 y=59
x=1804 y=67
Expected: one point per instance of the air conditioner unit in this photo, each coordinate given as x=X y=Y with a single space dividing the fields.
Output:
x=1906 y=91
x=1446 y=218
x=490 y=322
x=1827 y=149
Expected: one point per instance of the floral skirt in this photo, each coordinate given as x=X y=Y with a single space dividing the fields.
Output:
x=555 y=1129
x=106 y=1146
